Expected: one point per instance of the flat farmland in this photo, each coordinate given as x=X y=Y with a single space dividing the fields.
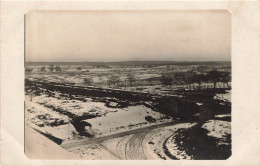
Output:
x=126 y=111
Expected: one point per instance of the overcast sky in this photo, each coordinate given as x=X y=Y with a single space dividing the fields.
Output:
x=128 y=35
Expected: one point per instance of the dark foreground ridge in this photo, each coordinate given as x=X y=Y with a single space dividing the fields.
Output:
x=168 y=105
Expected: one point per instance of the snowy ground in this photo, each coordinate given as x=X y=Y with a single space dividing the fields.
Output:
x=48 y=121
x=74 y=106
x=146 y=144
x=105 y=120
x=49 y=115
x=93 y=152
x=159 y=144
x=218 y=129
x=125 y=119
x=39 y=147
x=216 y=139
x=224 y=97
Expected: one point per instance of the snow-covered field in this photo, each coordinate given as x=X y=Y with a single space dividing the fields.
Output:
x=42 y=113
x=40 y=116
x=74 y=106
x=48 y=121
x=119 y=131
x=125 y=119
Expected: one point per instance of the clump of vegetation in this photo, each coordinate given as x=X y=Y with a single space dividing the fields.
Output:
x=88 y=81
x=113 y=81
x=150 y=119
x=131 y=79
x=43 y=68
x=28 y=70
x=57 y=68
x=196 y=143
x=51 y=67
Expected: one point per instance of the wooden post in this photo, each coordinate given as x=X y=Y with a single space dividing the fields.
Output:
x=125 y=84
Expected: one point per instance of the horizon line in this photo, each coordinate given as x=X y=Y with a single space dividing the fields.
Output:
x=142 y=61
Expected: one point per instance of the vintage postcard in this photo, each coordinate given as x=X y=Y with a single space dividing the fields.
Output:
x=131 y=83
x=128 y=85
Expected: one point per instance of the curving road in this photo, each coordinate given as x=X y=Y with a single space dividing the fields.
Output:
x=134 y=147
x=129 y=144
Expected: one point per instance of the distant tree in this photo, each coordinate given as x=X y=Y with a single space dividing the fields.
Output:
x=57 y=68
x=188 y=77
x=214 y=76
x=199 y=79
x=28 y=70
x=43 y=69
x=87 y=81
x=51 y=67
x=225 y=77
x=79 y=68
x=113 y=80
x=131 y=79
x=166 y=79
x=110 y=82
x=202 y=68
x=179 y=78
x=116 y=80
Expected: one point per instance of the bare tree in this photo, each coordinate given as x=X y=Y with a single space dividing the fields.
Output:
x=225 y=77
x=43 y=68
x=57 y=68
x=214 y=76
x=131 y=79
x=51 y=67
x=179 y=78
x=113 y=80
x=87 y=81
x=29 y=70
x=79 y=68
x=199 y=79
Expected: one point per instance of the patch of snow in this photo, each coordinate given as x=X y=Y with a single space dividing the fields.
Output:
x=157 y=137
x=124 y=119
x=172 y=148
x=223 y=116
x=199 y=104
x=74 y=106
x=42 y=118
x=113 y=104
x=218 y=129
x=40 y=147
x=224 y=97
x=93 y=152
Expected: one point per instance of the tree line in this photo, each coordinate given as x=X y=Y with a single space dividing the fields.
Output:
x=51 y=68
x=168 y=79
x=114 y=81
x=187 y=78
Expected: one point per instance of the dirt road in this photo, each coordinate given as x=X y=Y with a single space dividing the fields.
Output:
x=128 y=145
x=75 y=143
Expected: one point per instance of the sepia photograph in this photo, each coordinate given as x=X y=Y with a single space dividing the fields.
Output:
x=127 y=84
